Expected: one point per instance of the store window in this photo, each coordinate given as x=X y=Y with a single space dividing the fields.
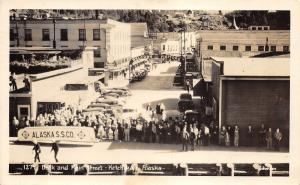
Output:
x=97 y=52
x=235 y=48
x=223 y=48
x=96 y=34
x=82 y=35
x=46 y=34
x=286 y=48
x=64 y=35
x=247 y=48
x=261 y=48
x=273 y=48
x=28 y=35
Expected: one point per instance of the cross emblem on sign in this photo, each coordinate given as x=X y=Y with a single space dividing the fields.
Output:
x=81 y=135
x=25 y=134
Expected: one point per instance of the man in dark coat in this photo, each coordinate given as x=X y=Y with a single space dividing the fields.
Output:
x=192 y=139
x=37 y=150
x=250 y=135
x=55 y=148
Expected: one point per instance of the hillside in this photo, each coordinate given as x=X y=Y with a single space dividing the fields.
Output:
x=172 y=20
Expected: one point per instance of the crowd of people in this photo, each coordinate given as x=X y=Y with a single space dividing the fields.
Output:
x=159 y=129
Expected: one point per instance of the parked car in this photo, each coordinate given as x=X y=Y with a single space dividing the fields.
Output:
x=191 y=115
x=111 y=94
x=103 y=105
x=93 y=109
x=120 y=92
x=186 y=96
x=107 y=101
x=185 y=102
x=120 y=101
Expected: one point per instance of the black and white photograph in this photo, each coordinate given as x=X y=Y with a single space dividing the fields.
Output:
x=130 y=92
x=148 y=81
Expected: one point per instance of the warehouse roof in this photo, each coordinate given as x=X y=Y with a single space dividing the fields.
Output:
x=277 y=67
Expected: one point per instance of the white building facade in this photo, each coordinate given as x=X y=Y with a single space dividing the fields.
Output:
x=111 y=38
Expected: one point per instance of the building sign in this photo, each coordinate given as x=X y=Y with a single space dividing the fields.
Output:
x=58 y=133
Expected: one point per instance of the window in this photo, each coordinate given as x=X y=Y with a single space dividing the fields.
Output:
x=286 y=48
x=261 y=48
x=164 y=47
x=247 y=48
x=99 y=64
x=253 y=28
x=64 y=35
x=210 y=47
x=97 y=52
x=273 y=48
x=28 y=35
x=46 y=35
x=235 y=48
x=96 y=34
x=11 y=35
x=82 y=35
x=266 y=28
x=222 y=47
x=259 y=28
x=23 y=111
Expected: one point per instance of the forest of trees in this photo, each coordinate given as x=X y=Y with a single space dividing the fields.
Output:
x=157 y=21
x=279 y=20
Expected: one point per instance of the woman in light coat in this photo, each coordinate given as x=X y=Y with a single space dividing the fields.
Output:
x=236 y=136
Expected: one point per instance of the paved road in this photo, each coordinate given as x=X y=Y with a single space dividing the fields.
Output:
x=157 y=87
x=160 y=78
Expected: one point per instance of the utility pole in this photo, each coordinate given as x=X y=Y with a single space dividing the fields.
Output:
x=54 y=40
x=184 y=51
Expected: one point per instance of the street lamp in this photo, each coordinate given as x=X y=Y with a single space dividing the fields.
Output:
x=54 y=40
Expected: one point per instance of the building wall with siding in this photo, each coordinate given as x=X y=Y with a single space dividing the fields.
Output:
x=256 y=102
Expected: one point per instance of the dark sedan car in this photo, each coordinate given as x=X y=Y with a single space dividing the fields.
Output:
x=185 y=102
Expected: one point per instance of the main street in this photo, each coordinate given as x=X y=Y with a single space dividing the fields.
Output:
x=156 y=87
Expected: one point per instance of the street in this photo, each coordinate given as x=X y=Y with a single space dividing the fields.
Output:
x=156 y=87
x=121 y=152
